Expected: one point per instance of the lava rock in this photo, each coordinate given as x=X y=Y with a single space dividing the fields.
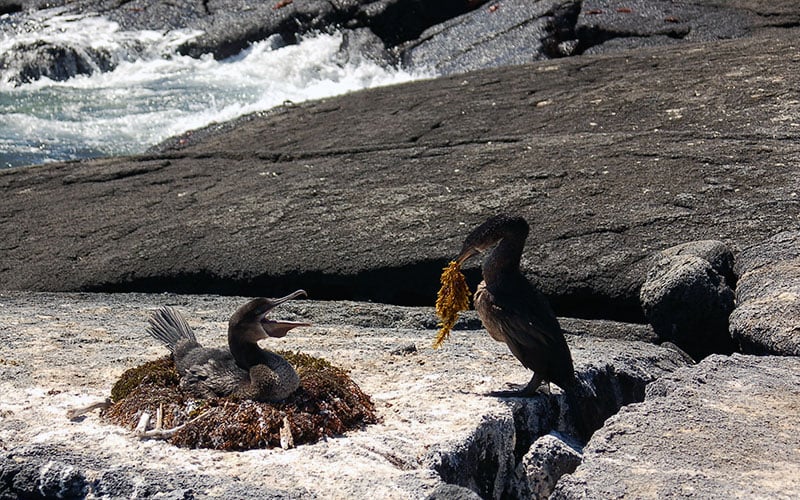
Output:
x=688 y=303
x=451 y=35
x=10 y=7
x=452 y=492
x=512 y=33
x=362 y=44
x=719 y=429
x=438 y=425
x=768 y=297
x=29 y=62
x=518 y=31
x=717 y=253
x=550 y=457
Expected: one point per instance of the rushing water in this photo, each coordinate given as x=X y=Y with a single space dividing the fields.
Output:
x=155 y=93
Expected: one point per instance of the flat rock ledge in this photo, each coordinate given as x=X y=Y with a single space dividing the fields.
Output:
x=438 y=429
x=725 y=428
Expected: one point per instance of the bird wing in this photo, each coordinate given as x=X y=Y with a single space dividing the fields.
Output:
x=532 y=332
x=212 y=372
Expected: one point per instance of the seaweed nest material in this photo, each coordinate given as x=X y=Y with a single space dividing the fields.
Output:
x=453 y=297
x=328 y=403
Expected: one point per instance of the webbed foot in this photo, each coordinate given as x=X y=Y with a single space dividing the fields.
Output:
x=522 y=392
x=533 y=388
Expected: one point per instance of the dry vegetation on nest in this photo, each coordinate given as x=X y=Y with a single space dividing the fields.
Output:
x=327 y=403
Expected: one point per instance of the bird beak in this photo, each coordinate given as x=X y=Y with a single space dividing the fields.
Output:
x=466 y=254
x=293 y=295
x=279 y=329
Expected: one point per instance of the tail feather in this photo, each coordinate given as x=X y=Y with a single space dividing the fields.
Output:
x=168 y=326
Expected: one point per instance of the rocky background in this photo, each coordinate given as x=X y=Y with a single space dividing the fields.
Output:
x=653 y=148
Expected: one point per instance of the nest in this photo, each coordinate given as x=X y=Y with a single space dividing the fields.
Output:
x=327 y=404
x=452 y=298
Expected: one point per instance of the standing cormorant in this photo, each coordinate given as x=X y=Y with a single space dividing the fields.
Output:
x=245 y=370
x=512 y=310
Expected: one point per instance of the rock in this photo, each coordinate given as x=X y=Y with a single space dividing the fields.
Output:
x=452 y=492
x=688 y=303
x=768 y=297
x=519 y=31
x=453 y=36
x=720 y=429
x=715 y=252
x=499 y=34
x=228 y=31
x=368 y=195
x=10 y=7
x=225 y=27
x=362 y=44
x=609 y=329
x=550 y=457
x=29 y=62
x=437 y=424
x=609 y=25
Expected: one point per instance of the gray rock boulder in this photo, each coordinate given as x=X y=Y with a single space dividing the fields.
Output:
x=10 y=7
x=27 y=62
x=768 y=297
x=688 y=302
x=519 y=31
x=715 y=252
x=222 y=27
x=724 y=428
x=550 y=457
x=453 y=492
x=452 y=35
x=497 y=34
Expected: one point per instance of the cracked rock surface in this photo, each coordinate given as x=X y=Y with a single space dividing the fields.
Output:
x=722 y=429
x=61 y=351
x=766 y=318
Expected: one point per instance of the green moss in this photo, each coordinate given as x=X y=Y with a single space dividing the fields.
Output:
x=327 y=404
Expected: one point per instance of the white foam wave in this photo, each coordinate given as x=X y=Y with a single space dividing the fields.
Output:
x=89 y=31
x=161 y=93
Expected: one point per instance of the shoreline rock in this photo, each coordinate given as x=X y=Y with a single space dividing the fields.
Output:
x=367 y=196
x=453 y=36
x=438 y=426
x=765 y=320
x=721 y=429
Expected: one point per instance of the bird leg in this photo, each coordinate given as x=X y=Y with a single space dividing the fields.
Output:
x=529 y=390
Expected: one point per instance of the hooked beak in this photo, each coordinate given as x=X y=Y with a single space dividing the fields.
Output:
x=467 y=254
x=279 y=329
x=293 y=295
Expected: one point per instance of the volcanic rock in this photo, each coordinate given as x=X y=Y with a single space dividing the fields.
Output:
x=768 y=297
x=437 y=424
x=720 y=429
x=687 y=302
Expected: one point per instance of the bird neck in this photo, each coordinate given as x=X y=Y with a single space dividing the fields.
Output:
x=503 y=260
x=245 y=352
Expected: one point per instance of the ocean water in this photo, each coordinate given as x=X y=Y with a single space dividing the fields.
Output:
x=155 y=93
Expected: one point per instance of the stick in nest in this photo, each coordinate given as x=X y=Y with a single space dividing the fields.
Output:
x=453 y=297
x=159 y=433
